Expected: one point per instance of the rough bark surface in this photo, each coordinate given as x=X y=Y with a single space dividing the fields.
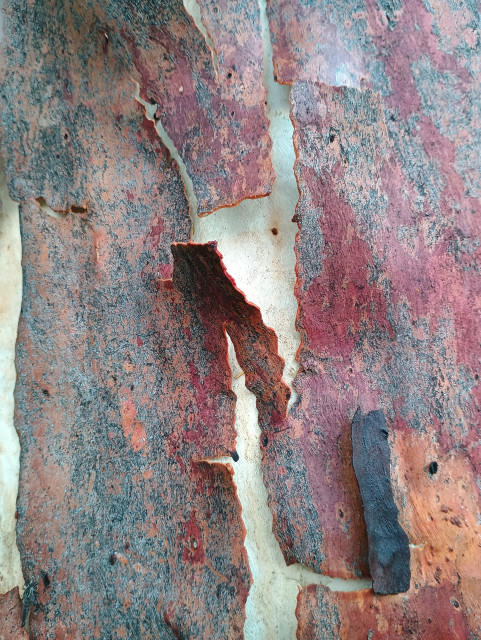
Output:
x=121 y=395
x=430 y=613
x=388 y=544
x=389 y=319
x=69 y=65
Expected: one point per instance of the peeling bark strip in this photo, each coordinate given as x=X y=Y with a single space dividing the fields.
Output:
x=388 y=543
x=200 y=275
x=134 y=536
x=68 y=65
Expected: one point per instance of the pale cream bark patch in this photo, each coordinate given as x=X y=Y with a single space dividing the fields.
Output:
x=10 y=301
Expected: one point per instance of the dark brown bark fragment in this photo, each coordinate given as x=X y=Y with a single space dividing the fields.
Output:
x=388 y=544
x=200 y=275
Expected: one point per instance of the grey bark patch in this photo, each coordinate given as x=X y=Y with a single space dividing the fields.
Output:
x=388 y=543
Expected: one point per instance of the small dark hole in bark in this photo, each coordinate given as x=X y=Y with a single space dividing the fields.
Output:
x=433 y=468
x=46 y=580
x=216 y=9
x=341 y=513
x=332 y=137
x=132 y=387
x=112 y=559
x=235 y=456
x=57 y=155
x=232 y=113
x=76 y=209
x=46 y=393
x=229 y=75
x=265 y=440
x=476 y=376
x=456 y=604
x=274 y=231
x=65 y=136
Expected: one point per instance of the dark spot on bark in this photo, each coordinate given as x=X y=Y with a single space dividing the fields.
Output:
x=232 y=113
x=265 y=440
x=127 y=546
x=433 y=468
x=112 y=559
x=77 y=209
x=132 y=387
x=46 y=393
x=235 y=456
x=341 y=513
x=456 y=604
x=274 y=231
x=46 y=580
x=229 y=75
x=105 y=41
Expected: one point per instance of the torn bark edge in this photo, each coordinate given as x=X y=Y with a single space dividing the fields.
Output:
x=200 y=274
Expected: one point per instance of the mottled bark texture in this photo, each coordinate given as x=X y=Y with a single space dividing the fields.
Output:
x=122 y=391
x=388 y=544
x=388 y=284
x=428 y=613
x=70 y=65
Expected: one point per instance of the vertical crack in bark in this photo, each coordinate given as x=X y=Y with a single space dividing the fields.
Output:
x=199 y=274
x=193 y=9
x=11 y=287
x=150 y=110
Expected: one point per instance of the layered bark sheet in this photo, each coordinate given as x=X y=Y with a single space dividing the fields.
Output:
x=122 y=391
x=201 y=276
x=389 y=318
x=67 y=62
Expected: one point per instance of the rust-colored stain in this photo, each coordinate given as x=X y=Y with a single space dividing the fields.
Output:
x=428 y=612
x=71 y=66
